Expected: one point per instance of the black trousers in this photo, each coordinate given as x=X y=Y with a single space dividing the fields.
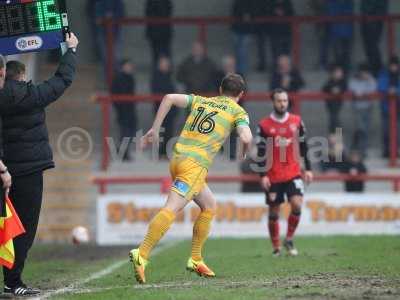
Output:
x=333 y=108
x=342 y=48
x=371 y=33
x=26 y=196
x=160 y=48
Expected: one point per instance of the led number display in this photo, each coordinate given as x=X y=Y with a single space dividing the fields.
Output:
x=32 y=25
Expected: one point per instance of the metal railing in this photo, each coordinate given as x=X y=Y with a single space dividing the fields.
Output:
x=165 y=182
x=296 y=100
x=202 y=23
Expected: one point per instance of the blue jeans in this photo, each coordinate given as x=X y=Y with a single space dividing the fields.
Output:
x=362 y=120
x=242 y=42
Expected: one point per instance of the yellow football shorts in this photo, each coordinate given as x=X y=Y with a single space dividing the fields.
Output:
x=188 y=176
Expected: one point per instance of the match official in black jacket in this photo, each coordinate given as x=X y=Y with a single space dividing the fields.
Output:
x=5 y=177
x=26 y=150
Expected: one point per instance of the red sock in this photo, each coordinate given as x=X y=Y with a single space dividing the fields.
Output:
x=293 y=221
x=273 y=226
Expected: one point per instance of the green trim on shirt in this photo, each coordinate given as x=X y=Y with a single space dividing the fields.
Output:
x=189 y=101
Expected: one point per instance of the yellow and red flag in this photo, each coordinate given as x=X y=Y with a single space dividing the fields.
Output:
x=10 y=227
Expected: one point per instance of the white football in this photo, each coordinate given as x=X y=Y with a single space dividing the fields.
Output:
x=80 y=235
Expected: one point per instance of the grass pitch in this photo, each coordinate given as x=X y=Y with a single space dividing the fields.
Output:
x=364 y=267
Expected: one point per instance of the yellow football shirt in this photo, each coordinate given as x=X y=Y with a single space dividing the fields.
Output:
x=209 y=123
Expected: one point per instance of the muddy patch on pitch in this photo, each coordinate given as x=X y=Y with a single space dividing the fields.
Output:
x=323 y=286
x=333 y=286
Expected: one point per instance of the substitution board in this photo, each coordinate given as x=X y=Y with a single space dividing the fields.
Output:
x=32 y=25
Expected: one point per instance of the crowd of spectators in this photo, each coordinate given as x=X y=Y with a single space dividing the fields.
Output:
x=200 y=74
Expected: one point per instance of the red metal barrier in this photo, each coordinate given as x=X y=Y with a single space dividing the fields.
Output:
x=103 y=182
x=393 y=147
x=202 y=24
x=297 y=99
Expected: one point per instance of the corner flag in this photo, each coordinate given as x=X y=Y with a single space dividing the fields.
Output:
x=10 y=227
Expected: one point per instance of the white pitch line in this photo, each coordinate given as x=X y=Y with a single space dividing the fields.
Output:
x=175 y=285
x=219 y=283
x=100 y=274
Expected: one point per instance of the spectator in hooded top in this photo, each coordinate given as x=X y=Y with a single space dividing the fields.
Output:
x=243 y=12
x=124 y=84
x=162 y=84
x=389 y=85
x=159 y=36
x=280 y=33
x=336 y=86
x=371 y=32
x=197 y=71
x=361 y=85
x=341 y=34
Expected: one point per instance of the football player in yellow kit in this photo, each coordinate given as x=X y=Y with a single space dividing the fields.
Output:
x=209 y=123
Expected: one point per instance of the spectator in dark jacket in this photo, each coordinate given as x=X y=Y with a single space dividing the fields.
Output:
x=242 y=29
x=336 y=86
x=280 y=33
x=285 y=76
x=27 y=153
x=124 y=84
x=341 y=34
x=354 y=166
x=162 y=84
x=197 y=72
x=371 y=32
x=159 y=36
x=389 y=85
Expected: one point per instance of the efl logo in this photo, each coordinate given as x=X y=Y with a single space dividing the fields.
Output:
x=29 y=43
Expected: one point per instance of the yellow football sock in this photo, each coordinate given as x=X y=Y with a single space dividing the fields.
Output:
x=201 y=229
x=157 y=228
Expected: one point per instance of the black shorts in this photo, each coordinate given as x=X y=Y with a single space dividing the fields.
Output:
x=278 y=191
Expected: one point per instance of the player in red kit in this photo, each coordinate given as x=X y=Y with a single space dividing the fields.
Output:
x=281 y=144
